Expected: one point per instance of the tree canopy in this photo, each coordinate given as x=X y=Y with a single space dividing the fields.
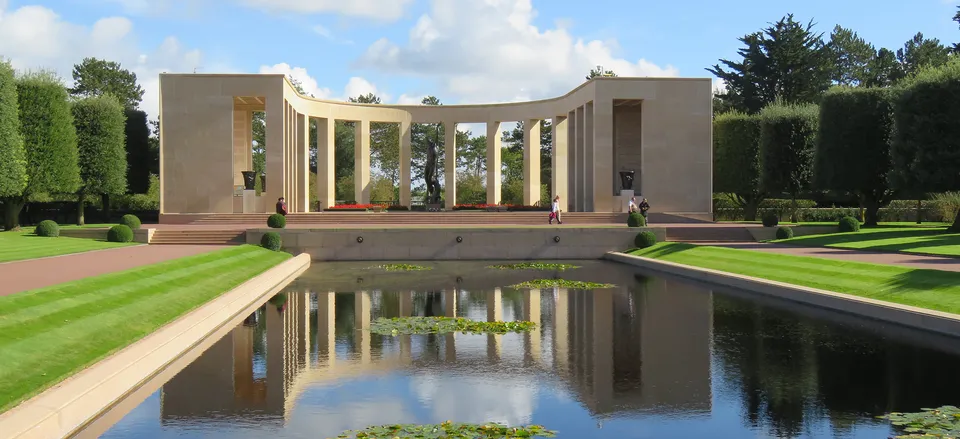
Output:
x=101 y=130
x=13 y=158
x=736 y=158
x=96 y=77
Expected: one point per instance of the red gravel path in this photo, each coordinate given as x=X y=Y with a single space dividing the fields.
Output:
x=900 y=259
x=43 y=272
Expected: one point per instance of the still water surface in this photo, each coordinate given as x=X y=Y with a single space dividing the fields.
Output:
x=652 y=358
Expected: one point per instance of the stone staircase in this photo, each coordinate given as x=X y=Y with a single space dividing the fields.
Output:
x=412 y=218
x=199 y=237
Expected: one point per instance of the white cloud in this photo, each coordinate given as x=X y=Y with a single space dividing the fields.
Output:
x=719 y=86
x=34 y=37
x=406 y=99
x=356 y=85
x=387 y=10
x=491 y=51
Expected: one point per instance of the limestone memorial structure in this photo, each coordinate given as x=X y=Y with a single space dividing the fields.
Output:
x=659 y=128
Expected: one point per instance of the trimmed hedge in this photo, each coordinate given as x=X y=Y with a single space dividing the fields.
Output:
x=48 y=228
x=13 y=157
x=770 y=219
x=635 y=219
x=120 y=233
x=849 y=224
x=787 y=143
x=271 y=241
x=645 y=239
x=277 y=221
x=784 y=232
x=130 y=221
x=736 y=157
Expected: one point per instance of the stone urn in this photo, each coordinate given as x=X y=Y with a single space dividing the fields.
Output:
x=249 y=180
x=626 y=180
x=263 y=182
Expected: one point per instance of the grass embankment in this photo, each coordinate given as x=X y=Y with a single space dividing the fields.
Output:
x=931 y=289
x=21 y=245
x=54 y=332
x=932 y=241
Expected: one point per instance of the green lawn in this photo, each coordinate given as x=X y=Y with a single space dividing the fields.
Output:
x=931 y=289
x=901 y=225
x=51 y=333
x=16 y=246
x=932 y=241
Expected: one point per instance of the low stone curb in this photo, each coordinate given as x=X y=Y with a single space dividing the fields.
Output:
x=910 y=316
x=68 y=407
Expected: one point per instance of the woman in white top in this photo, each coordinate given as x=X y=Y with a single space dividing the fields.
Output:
x=632 y=205
x=555 y=210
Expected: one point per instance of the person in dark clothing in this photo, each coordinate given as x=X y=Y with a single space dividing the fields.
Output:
x=281 y=207
x=644 y=207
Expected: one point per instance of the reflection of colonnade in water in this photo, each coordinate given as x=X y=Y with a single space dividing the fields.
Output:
x=617 y=351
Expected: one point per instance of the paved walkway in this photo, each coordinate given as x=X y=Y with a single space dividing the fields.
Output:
x=901 y=259
x=43 y=272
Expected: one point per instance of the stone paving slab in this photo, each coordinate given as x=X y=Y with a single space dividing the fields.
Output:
x=31 y=274
x=888 y=258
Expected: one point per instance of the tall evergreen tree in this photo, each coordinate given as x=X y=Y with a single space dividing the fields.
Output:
x=785 y=61
x=96 y=77
x=101 y=135
x=851 y=55
x=920 y=52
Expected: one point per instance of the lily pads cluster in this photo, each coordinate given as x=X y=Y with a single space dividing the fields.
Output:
x=447 y=429
x=943 y=422
x=443 y=325
x=562 y=283
x=402 y=267
x=534 y=266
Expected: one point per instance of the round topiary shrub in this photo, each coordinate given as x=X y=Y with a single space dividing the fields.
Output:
x=645 y=239
x=130 y=221
x=48 y=228
x=784 y=232
x=770 y=219
x=120 y=233
x=277 y=221
x=271 y=241
x=636 y=220
x=849 y=224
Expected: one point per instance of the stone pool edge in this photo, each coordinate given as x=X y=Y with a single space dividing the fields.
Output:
x=905 y=315
x=68 y=407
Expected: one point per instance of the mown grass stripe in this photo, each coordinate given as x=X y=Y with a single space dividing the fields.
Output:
x=17 y=246
x=24 y=320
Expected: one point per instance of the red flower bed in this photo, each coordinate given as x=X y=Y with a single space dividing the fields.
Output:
x=354 y=206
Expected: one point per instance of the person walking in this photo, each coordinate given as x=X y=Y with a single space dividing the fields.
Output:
x=644 y=207
x=555 y=211
x=632 y=205
x=281 y=206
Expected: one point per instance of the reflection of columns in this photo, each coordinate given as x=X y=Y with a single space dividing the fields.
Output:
x=303 y=165
x=531 y=161
x=406 y=303
x=406 y=348
x=494 y=314
x=580 y=160
x=274 y=123
x=361 y=162
x=450 y=303
x=405 y=156
x=603 y=347
x=450 y=345
x=303 y=328
x=558 y=159
x=450 y=164
x=326 y=175
x=275 y=356
x=326 y=327
x=362 y=317
x=531 y=313
x=561 y=332
x=590 y=161
x=243 y=386
x=493 y=162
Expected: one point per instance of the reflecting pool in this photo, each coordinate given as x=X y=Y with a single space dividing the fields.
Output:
x=652 y=358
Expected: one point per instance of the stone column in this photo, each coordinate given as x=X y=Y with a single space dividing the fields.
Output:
x=289 y=126
x=450 y=164
x=361 y=163
x=572 y=127
x=558 y=161
x=241 y=144
x=326 y=174
x=493 y=162
x=405 y=156
x=275 y=122
x=531 y=161
x=249 y=143
x=604 y=172
x=589 y=159
x=303 y=163
x=580 y=160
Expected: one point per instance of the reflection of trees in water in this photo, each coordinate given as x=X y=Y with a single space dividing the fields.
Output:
x=789 y=369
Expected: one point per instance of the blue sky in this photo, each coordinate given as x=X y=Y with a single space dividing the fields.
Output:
x=460 y=50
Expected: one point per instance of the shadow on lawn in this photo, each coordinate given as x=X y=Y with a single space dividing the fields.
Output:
x=923 y=279
x=918 y=240
x=663 y=250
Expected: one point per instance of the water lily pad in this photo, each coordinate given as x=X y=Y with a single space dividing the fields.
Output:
x=534 y=266
x=943 y=422
x=443 y=325
x=562 y=283
x=448 y=430
x=402 y=267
